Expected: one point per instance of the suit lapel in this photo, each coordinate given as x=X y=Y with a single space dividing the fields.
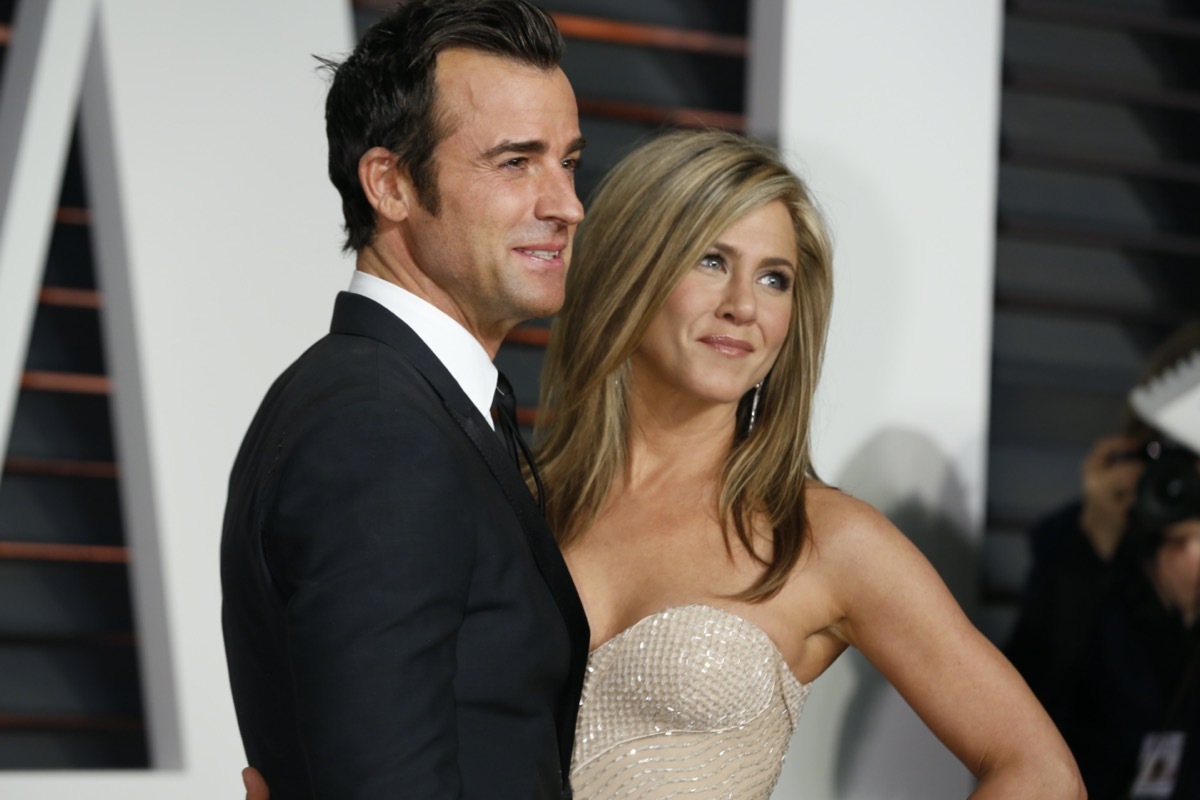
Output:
x=360 y=316
x=550 y=563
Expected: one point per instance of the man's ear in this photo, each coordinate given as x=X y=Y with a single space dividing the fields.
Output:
x=386 y=184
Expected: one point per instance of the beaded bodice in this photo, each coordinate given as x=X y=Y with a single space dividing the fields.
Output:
x=691 y=702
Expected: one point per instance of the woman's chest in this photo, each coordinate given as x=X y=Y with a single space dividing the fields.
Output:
x=623 y=580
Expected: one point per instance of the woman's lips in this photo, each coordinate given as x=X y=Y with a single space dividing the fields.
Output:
x=728 y=345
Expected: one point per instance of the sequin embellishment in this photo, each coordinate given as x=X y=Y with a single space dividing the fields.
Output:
x=691 y=702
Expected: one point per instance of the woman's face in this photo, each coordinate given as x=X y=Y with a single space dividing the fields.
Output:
x=724 y=324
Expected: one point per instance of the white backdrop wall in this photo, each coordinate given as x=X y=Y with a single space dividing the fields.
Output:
x=218 y=240
x=890 y=110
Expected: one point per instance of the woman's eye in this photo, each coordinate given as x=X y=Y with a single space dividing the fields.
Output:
x=712 y=261
x=779 y=281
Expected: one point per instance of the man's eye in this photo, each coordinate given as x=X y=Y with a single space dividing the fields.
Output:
x=519 y=161
x=571 y=164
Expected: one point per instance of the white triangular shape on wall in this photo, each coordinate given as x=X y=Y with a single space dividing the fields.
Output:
x=54 y=69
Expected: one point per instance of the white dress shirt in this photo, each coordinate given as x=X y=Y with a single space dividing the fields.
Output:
x=460 y=353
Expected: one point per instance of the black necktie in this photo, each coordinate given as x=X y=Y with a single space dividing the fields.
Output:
x=504 y=410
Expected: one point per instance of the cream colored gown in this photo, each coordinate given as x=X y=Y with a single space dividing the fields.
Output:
x=692 y=702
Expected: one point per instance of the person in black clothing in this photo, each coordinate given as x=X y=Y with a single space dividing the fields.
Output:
x=398 y=620
x=1107 y=635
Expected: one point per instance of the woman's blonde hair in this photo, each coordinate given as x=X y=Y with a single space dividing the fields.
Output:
x=651 y=220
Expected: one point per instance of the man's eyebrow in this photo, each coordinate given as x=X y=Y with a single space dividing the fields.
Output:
x=529 y=147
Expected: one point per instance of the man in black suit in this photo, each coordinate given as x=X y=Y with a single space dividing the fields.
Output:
x=398 y=621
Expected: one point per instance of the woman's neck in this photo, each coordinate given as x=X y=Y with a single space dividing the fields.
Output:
x=671 y=441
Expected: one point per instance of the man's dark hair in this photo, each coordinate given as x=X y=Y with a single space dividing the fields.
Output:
x=384 y=95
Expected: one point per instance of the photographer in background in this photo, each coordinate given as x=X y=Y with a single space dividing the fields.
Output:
x=1108 y=636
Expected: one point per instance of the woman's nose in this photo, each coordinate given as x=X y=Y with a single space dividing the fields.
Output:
x=739 y=304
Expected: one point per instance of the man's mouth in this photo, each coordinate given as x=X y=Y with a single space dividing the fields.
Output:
x=543 y=254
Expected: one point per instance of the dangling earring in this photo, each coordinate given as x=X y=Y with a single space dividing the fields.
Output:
x=754 y=405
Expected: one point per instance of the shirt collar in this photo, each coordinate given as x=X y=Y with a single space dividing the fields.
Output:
x=460 y=353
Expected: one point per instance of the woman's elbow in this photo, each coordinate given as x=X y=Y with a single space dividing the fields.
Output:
x=1054 y=776
x=1065 y=775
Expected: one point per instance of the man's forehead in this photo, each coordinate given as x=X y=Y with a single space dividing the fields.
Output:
x=490 y=100
x=481 y=75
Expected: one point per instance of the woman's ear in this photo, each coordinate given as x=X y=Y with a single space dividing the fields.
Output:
x=386 y=184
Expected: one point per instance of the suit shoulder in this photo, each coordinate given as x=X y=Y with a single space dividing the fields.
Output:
x=340 y=370
x=352 y=390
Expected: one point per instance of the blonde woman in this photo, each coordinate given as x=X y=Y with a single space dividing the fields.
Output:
x=720 y=577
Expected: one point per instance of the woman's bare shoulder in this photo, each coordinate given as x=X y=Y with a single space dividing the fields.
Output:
x=834 y=515
x=852 y=539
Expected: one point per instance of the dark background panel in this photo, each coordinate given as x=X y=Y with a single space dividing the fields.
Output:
x=719 y=16
x=56 y=599
x=62 y=425
x=69 y=262
x=605 y=71
x=1098 y=245
x=66 y=339
x=53 y=509
x=86 y=749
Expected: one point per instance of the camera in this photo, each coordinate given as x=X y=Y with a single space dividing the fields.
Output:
x=1169 y=489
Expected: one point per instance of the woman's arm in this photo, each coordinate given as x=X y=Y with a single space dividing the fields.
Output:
x=900 y=615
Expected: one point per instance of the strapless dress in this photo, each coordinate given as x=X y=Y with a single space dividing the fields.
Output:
x=691 y=702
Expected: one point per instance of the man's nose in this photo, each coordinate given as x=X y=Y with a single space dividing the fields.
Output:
x=558 y=200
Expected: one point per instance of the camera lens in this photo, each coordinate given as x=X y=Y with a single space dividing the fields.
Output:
x=1169 y=489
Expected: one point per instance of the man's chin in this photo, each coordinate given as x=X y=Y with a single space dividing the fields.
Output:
x=544 y=304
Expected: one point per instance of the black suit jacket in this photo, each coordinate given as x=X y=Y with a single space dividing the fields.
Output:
x=398 y=621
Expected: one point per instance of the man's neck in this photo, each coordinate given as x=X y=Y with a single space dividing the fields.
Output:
x=400 y=269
